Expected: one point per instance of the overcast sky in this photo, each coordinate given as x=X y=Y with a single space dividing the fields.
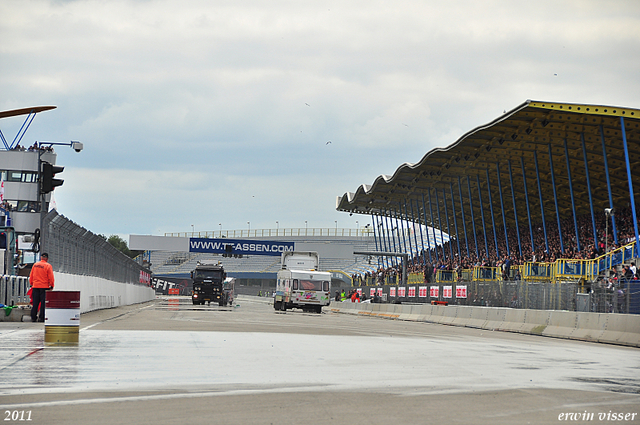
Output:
x=201 y=112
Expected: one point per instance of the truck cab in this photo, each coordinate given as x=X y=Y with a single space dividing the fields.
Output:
x=208 y=284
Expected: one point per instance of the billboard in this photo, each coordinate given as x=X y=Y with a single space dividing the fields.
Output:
x=239 y=246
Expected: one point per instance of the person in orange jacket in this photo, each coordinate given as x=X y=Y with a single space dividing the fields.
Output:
x=41 y=280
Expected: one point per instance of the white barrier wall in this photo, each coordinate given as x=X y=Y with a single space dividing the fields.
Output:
x=97 y=293
x=610 y=328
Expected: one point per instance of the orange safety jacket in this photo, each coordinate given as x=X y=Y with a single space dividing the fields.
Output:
x=41 y=275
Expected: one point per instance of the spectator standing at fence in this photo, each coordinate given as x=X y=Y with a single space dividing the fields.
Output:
x=41 y=280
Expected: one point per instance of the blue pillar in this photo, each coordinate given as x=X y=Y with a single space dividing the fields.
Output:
x=424 y=254
x=383 y=238
x=515 y=210
x=544 y=223
x=573 y=204
x=526 y=199
x=586 y=170
x=484 y=228
x=375 y=238
x=444 y=254
x=415 y=234
x=446 y=216
x=473 y=220
x=406 y=214
x=606 y=172
x=633 y=201
x=435 y=241
x=504 y=221
x=464 y=223
x=426 y=228
x=555 y=199
x=493 y=220
x=455 y=220
x=394 y=260
x=401 y=242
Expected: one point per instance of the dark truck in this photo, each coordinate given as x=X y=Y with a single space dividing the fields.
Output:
x=208 y=284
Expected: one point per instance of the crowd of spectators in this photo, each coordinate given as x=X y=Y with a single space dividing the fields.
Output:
x=33 y=148
x=589 y=247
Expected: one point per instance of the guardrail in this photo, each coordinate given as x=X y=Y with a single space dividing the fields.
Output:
x=284 y=232
x=13 y=290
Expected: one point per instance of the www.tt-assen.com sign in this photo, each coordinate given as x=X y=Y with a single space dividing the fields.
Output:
x=239 y=246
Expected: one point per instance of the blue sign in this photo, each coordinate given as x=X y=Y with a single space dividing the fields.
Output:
x=239 y=246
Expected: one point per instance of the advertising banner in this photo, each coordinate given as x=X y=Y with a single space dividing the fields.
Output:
x=447 y=291
x=401 y=291
x=412 y=291
x=380 y=292
x=461 y=291
x=422 y=291
x=434 y=292
x=239 y=246
x=392 y=291
x=372 y=292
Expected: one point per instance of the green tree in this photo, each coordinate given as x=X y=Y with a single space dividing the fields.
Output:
x=121 y=245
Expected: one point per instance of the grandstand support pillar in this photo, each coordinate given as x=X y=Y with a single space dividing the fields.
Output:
x=401 y=241
x=415 y=235
x=504 y=221
x=573 y=204
x=389 y=242
x=426 y=228
x=376 y=238
x=406 y=214
x=484 y=227
x=473 y=220
x=464 y=223
x=526 y=198
x=515 y=210
x=444 y=254
x=455 y=219
x=555 y=199
x=446 y=216
x=493 y=219
x=606 y=173
x=403 y=255
x=586 y=171
x=633 y=202
x=417 y=217
x=435 y=241
x=544 y=223
x=393 y=236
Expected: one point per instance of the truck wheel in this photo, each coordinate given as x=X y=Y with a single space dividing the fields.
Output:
x=319 y=309
x=276 y=305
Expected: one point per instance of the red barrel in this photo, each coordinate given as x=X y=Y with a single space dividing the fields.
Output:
x=62 y=317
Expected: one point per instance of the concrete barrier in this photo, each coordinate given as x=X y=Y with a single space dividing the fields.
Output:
x=611 y=328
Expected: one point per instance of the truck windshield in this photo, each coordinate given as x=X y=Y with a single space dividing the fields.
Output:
x=208 y=274
x=312 y=285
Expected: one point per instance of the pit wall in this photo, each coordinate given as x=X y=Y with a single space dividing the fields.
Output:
x=95 y=294
x=622 y=329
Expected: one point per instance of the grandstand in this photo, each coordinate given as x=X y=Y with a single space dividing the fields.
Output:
x=259 y=269
x=545 y=187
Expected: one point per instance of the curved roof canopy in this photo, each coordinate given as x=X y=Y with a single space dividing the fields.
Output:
x=554 y=138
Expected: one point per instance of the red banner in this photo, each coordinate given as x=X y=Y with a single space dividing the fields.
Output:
x=434 y=292
x=422 y=291
x=392 y=291
x=401 y=291
x=412 y=291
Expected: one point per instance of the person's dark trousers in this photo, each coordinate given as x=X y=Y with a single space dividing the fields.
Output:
x=39 y=296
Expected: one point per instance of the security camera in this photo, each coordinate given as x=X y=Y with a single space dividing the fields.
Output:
x=77 y=146
x=609 y=211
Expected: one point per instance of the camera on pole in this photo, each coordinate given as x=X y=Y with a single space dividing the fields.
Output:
x=47 y=174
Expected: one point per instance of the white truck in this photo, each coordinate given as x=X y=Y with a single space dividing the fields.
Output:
x=300 y=284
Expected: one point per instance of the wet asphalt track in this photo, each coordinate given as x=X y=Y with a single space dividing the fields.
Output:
x=168 y=361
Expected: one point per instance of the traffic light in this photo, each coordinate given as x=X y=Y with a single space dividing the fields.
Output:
x=47 y=182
